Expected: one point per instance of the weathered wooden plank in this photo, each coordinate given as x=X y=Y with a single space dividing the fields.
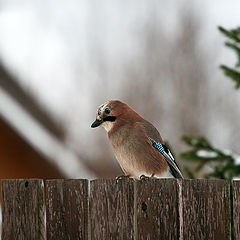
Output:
x=157 y=209
x=22 y=209
x=112 y=209
x=206 y=209
x=67 y=209
x=236 y=208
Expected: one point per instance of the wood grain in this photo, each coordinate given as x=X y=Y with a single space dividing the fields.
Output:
x=236 y=208
x=120 y=209
x=157 y=209
x=112 y=209
x=22 y=209
x=206 y=209
x=67 y=209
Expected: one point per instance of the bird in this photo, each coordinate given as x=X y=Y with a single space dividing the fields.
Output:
x=136 y=143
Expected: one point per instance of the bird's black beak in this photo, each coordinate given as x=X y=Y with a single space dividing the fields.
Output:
x=96 y=123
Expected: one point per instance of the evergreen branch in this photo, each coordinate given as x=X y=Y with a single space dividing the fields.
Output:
x=233 y=74
x=233 y=34
x=221 y=165
x=197 y=142
x=236 y=49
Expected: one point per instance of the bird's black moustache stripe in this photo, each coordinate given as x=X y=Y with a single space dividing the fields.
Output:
x=109 y=118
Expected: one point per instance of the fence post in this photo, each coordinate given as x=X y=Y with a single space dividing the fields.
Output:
x=112 y=209
x=67 y=209
x=157 y=203
x=23 y=209
x=236 y=208
x=206 y=209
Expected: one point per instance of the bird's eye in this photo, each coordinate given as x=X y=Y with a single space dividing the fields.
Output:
x=107 y=110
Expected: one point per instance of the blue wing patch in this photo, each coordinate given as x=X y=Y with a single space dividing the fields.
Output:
x=158 y=146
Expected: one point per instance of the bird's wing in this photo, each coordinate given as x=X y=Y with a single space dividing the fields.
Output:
x=151 y=131
x=153 y=134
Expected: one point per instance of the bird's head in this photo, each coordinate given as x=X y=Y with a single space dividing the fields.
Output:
x=111 y=113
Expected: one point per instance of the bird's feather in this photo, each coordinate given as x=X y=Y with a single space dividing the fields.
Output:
x=153 y=133
x=173 y=165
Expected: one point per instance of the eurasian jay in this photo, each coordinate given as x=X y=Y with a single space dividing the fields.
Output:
x=136 y=143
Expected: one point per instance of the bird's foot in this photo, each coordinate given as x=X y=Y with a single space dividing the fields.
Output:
x=143 y=177
x=121 y=177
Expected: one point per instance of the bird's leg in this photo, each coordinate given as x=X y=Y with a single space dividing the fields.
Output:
x=122 y=177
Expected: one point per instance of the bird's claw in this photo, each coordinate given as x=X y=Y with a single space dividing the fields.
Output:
x=143 y=177
x=121 y=177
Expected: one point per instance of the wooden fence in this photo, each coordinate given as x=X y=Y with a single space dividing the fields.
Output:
x=120 y=209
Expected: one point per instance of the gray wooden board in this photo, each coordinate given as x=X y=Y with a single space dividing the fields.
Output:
x=112 y=209
x=67 y=209
x=236 y=209
x=22 y=209
x=157 y=209
x=206 y=209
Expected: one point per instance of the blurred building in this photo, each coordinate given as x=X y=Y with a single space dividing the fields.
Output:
x=22 y=122
x=18 y=159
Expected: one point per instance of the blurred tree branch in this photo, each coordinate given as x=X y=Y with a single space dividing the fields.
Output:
x=220 y=164
x=233 y=43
